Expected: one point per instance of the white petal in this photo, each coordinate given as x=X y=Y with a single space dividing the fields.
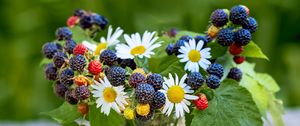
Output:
x=182 y=80
x=184 y=106
x=90 y=46
x=200 y=45
x=177 y=110
x=190 y=97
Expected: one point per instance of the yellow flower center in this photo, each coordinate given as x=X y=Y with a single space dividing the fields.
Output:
x=109 y=94
x=138 y=50
x=100 y=47
x=194 y=55
x=175 y=94
x=128 y=114
x=143 y=109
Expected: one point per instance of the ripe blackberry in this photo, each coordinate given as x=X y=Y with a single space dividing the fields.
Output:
x=71 y=97
x=63 y=33
x=203 y=38
x=235 y=74
x=82 y=92
x=239 y=59
x=95 y=67
x=235 y=49
x=50 y=71
x=238 y=14
x=79 y=12
x=116 y=75
x=135 y=79
x=77 y=63
x=66 y=77
x=225 y=37
x=108 y=57
x=50 y=48
x=60 y=89
x=194 y=80
x=159 y=100
x=242 y=37
x=144 y=93
x=170 y=49
x=156 y=80
x=59 y=59
x=69 y=46
x=219 y=18
x=86 y=21
x=177 y=46
x=186 y=38
x=79 y=49
x=213 y=81
x=127 y=63
x=216 y=69
x=145 y=118
x=250 y=24
x=99 y=20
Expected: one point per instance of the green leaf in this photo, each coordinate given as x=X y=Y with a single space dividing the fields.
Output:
x=64 y=114
x=45 y=61
x=247 y=68
x=267 y=81
x=252 y=50
x=232 y=106
x=79 y=35
x=276 y=110
x=216 y=50
x=71 y=124
x=97 y=118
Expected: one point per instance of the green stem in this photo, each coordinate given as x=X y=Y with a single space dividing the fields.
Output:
x=176 y=121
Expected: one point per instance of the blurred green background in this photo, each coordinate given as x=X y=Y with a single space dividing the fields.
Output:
x=26 y=25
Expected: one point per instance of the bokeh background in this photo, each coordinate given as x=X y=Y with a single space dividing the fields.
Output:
x=26 y=25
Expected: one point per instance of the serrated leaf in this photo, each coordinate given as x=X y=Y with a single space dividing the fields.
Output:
x=267 y=81
x=216 y=50
x=97 y=118
x=231 y=106
x=79 y=35
x=252 y=50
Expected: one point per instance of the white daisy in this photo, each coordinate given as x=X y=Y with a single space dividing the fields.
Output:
x=108 y=96
x=137 y=46
x=110 y=40
x=178 y=94
x=194 y=55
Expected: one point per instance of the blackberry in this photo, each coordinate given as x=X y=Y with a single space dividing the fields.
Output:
x=170 y=49
x=219 y=18
x=63 y=33
x=77 y=63
x=156 y=80
x=66 y=77
x=242 y=37
x=79 y=12
x=177 y=46
x=127 y=63
x=60 y=89
x=50 y=71
x=99 y=20
x=225 y=37
x=69 y=46
x=144 y=93
x=250 y=24
x=59 y=59
x=203 y=38
x=145 y=118
x=108 y=57
x=86 y=22
x=213 y=81
x=71 y=97
x=194 y=80
x=159 y=99
x=136 y=79
x=186 y=38
x=238 y=14
x=116 y=75
x=235 y=74
x=82 y=92
x=216 y=69
x=50 y=48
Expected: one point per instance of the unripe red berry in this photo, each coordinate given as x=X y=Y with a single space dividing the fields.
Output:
x=235 y=49
x=80 y=49
x=83 y=108
x=72 y=21
x=239 y=59
x=95 y=67
x=201 y=103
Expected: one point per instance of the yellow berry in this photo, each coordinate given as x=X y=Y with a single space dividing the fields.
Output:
x=143 y=109
x=212 y=31
x=128 y=114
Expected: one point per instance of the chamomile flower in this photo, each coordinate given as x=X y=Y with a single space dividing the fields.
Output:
x=194 y=55
x=108 y=96
x=110 y=40
x=138 y=46
x=178 y=94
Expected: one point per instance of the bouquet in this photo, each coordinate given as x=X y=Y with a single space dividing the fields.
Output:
x=160 y=78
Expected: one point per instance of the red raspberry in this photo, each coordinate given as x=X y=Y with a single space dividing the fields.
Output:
x=83 y=108
x=95 y=67
x=235 y=49
x=72 y=21
x=201 y=103
x=239 y=59
x=80 y=49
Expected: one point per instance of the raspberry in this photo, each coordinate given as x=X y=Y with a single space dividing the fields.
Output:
x=69 y=46
x=144 y=93
x=81 y=80
x=201 y=103
x=66 y=77
x=250 y=24
x=70 y=97
x=50 y=48
x=239 y=59
x=235 y=74
x=82 y=92
x=238 y=14
x=170 y=49
x=50 y=71
x=136 y=79
x=127 y=63
x=59 y=59
x=156 y=80
x=147 y=117
x=219 y=18
x=186 y=38
x=143 y=109
x=95 y=67
x=116 y=75
x=77 y=63
x=203 y=38
x=63 y=33
x=177 y=46
x=225 y=37
x=79 y=12
x=194 y=80
x=129 y=114
x=235 y=49
x=71 y=22
x=80 y=49
x=242 y=37
x=83 y=108
x=60 y=89
x=99 y=20
x=108 y=57
x=159 y=100
x=86 y=21
x=216 y=69
x=213 y=81
x=172 y=32
x=212 y=31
